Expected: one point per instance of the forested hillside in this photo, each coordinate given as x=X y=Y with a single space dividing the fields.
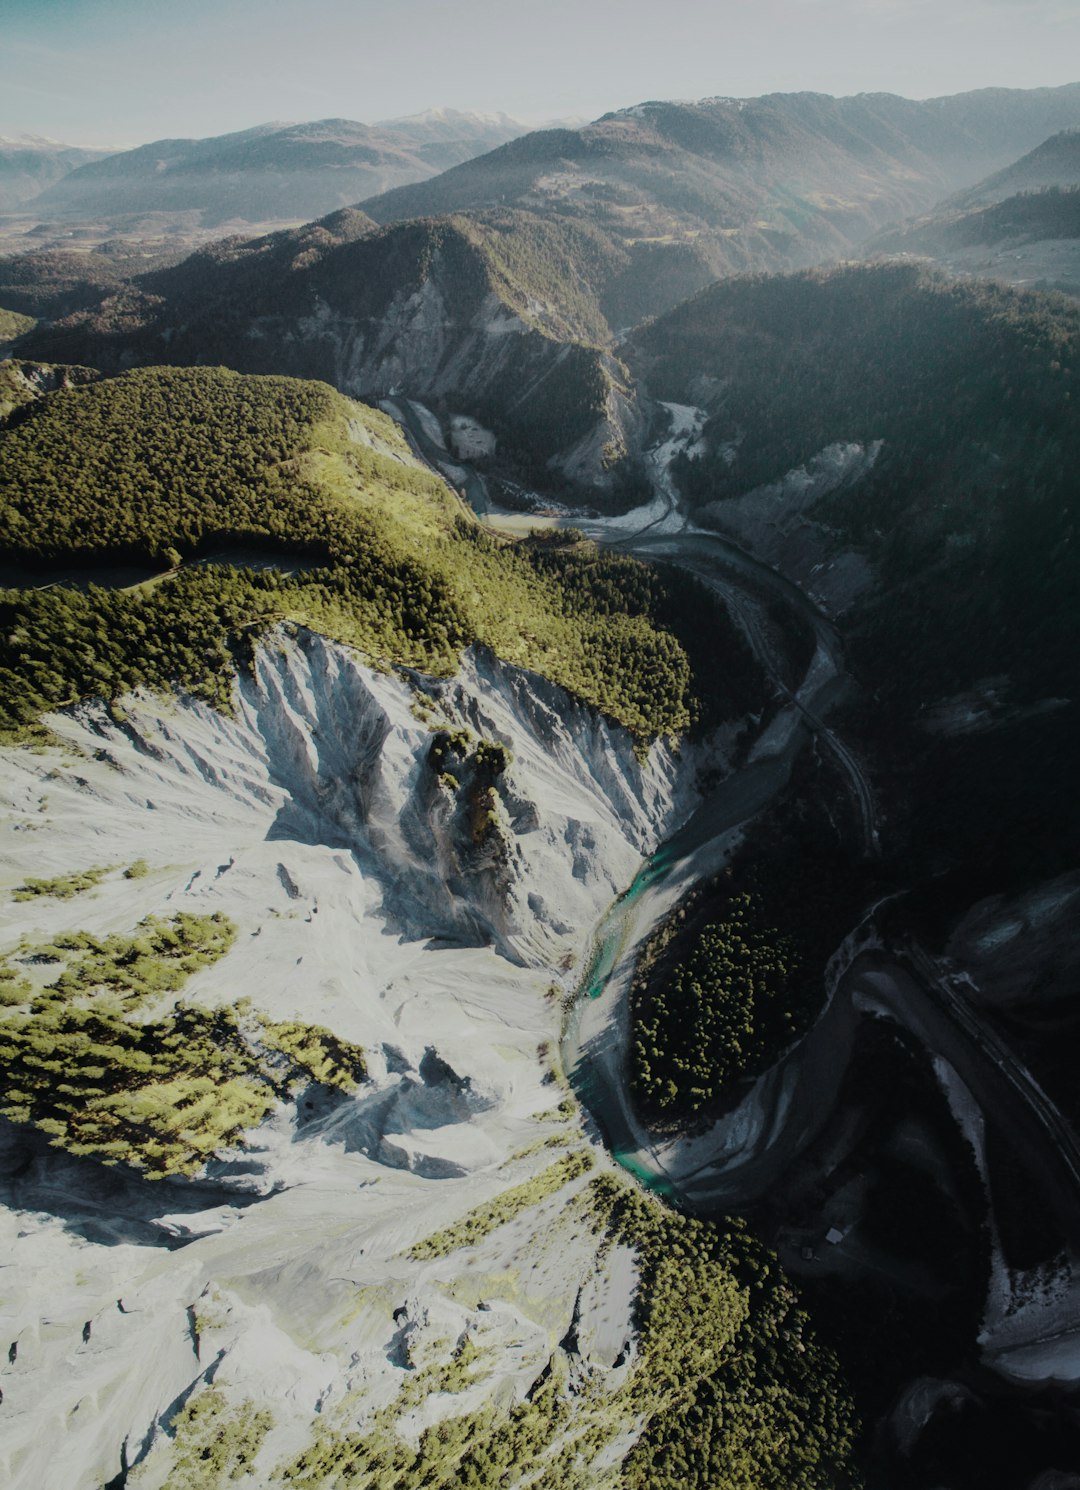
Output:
x=54 y=282
x=967 y=638
x=971 y=389
x=160 y=465
x=1034 y=197
x=1050 y=212
x=695 y=190
x=471 y=313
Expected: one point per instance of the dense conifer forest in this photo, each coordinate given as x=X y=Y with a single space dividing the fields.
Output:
x=162 y=465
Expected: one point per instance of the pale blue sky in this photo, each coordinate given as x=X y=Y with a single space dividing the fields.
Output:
x=125 y=71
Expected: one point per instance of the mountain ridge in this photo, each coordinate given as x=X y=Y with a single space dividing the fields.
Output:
x=696 y=191
x=272 y=171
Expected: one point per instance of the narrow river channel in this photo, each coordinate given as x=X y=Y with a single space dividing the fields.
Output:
x=738 y=1160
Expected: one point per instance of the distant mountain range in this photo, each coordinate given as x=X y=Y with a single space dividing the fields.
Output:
x=469 y=289
x=697 y=190
x=30 y=164
x=269 y=173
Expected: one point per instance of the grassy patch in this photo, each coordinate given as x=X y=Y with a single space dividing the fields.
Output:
x=14 y=324
x=62 y=886
x=316 y=1053
x=216 y=1443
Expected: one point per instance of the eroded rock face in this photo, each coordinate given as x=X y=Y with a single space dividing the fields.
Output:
x=365 y=900
x=442 y=343
x=783 y=524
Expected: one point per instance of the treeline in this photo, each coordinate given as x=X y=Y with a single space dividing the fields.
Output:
x=1029 y=216
x=1053 y=212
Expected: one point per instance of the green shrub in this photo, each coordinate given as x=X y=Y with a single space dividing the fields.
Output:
x=62 y=887
x=82 y=1062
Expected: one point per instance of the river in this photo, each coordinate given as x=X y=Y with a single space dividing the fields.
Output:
x=738 y=1160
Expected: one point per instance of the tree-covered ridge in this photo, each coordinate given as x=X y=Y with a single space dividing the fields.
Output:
x=554 y=272
x=490 y=304
x=1055 y=161
x=161 y=462
x=972 y=389
x=13 y=324
x=864 y=352
x=162 y=458
x=737 y=973
x=1049 y=212
x=90 y=1060
x=50 y=283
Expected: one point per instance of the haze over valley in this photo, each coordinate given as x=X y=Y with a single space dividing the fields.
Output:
x=538 y=719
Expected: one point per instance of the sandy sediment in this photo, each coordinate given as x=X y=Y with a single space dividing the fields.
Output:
x=313 y=819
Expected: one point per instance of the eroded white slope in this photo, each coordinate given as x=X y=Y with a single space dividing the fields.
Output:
x=313 y=820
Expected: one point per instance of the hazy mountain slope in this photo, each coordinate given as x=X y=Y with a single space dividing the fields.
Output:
x=1056 y=162
x=474 y=313
x=272 y=172
x=1028 y=217
x=29 y=165
x=1031 y=199
x=446 y=137
x=1032 y=239
x=771 y=182
x=1021 y=225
